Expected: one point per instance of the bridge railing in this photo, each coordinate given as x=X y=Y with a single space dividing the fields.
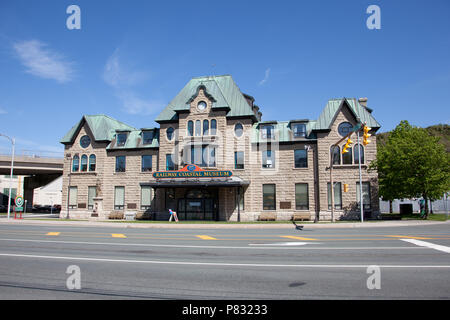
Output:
x=34 y=154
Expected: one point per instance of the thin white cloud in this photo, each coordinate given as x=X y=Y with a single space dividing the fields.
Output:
x=135 y=105
x=42 y=62
x=117 y=75
x=266 y=77
x=3 y=111
x=121 y=77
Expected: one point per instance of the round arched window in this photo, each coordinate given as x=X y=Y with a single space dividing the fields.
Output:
x=201 y=105
x=85 y=141
x=345 y=128
x=238 y=130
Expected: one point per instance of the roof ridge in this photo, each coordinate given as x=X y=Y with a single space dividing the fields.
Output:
x=213 y=76
x=111 y=118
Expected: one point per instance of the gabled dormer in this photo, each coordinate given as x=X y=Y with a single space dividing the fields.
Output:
x=121 y=137
x=220 y=93
x=101 y=128
x=357 y=109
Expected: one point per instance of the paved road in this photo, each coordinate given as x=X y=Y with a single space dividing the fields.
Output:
x=193 y=263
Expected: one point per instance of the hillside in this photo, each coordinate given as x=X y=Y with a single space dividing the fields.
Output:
x=440 y=130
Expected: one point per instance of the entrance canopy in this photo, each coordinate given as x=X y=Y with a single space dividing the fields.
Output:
x=192 y=175
x=200 y=182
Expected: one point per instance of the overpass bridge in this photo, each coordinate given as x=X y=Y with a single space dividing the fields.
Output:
x=40 y=171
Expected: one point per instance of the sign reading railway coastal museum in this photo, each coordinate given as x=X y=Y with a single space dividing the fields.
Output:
x=192 y=171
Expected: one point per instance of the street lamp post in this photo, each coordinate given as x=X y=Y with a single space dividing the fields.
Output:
x=360 y=179
x=331 y=182
x=13 y=142
x=69 y=157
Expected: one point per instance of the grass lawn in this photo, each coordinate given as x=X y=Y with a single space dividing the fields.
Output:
x=416 y=216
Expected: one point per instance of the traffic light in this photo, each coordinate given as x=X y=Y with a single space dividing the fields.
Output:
x=366 y=135
x=347 y=145
x=345 y=187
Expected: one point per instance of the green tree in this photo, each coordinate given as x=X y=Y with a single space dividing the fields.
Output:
x=412 y=164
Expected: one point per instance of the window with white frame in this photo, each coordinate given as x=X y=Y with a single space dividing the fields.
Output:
x=268 y=158
x=92 y=162
x=121 y=139
x=73 y=197
x=92 y=193
x=146 y=197
x=301 y=196
x=337 y=196
x=299 y=130
x=365 y=193
x=119 y=198
x=267 y=132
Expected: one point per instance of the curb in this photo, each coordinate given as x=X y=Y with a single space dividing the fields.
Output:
x=174 y=225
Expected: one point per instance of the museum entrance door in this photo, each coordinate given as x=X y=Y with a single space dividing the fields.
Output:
x=198 y=204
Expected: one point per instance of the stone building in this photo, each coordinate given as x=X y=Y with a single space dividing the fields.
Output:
x=213 y=158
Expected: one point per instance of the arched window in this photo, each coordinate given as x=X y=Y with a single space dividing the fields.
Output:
x=92 y=160
x=198 y=128
x=169 y=133
x=335 y=153
x=238 y=130
x=357 y=152
x=205 y=127
x=84 y=163
x=347 y=157
x=190 y=128
x=75 y=163
x=213 y=127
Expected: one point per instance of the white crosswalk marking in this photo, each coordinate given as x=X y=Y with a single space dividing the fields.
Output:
x=428 y=245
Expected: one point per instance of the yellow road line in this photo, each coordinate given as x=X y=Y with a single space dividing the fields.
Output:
x=409 y=237
x=297 y=238
x=118 y=235
x=53 y=233
x=203 y=237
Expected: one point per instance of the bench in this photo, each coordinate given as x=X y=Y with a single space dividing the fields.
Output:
x=268 y=216
x=301 y=216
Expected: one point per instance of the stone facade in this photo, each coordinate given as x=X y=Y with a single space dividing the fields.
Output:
x=345 y=173
x=283 y=173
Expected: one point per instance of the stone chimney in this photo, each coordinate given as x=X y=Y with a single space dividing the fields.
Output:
x=363 y=102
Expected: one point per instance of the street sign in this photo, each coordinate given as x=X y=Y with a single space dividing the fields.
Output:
x=19 y=202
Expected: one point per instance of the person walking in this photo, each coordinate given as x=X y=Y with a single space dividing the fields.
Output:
x=422 y=208
x=173 y=215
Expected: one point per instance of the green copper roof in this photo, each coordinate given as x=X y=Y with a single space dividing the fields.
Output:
x=102 y=127
x=283 y=131
x=360 y=112
x=222 y=90
x=135 y=141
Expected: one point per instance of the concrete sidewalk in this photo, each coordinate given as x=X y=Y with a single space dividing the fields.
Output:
x=243 y=225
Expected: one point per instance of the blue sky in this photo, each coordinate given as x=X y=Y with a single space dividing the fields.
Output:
x=130 y=58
